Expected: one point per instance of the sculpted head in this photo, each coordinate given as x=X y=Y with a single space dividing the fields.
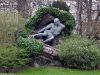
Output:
x=56 y=21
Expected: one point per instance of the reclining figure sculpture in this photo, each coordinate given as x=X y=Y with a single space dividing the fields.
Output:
x=50 y=31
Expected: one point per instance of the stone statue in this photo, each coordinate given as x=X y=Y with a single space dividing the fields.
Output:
x=50 y=31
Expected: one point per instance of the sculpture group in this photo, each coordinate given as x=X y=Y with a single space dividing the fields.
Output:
x=50 y=31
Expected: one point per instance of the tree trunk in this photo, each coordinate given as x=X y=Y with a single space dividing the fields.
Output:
x=89 y=9
x=88 y=4
x=79 y=2
x=98 y=12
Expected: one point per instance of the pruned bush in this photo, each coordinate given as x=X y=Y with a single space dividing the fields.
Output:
x=65 y=17
x=31 y=45
x=12 y=57
x=61 y=5
x=79 y=52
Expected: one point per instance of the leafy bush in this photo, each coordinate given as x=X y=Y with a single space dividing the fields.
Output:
x=11 y=57
x=65 y=17
x=79 y=52
x=9 y=23
x=61 y=5
x=32 y=46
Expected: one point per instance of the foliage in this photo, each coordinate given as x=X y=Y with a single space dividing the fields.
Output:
x=9 y=23
x=61 y=5
x=11 y=57
x=31 y=45
x=23 y=34
x=65 y=17
x=79 y=52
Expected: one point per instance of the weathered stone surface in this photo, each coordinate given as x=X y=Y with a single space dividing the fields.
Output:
x=48 y=58
x=45 y=61
x=50 y=50
x=98 y=67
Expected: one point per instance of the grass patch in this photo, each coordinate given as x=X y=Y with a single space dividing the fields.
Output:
x=9 y=23
x=56 y=71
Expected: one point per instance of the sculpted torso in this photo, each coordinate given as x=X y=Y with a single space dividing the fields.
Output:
x=51 y=30
x=56 y=30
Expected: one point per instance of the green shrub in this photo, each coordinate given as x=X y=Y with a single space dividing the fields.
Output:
x=12 y=57
x=61 y=5
x=66 y=18
x=32 y=46
x=79 y=52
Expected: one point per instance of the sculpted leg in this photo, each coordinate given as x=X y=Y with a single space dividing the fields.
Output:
x=49 y=38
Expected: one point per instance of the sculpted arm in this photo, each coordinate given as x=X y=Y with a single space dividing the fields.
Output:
x=63 y=26
x=47 y=27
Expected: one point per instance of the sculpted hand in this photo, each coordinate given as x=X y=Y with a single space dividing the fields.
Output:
x=39 y=31
x=31 y=36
